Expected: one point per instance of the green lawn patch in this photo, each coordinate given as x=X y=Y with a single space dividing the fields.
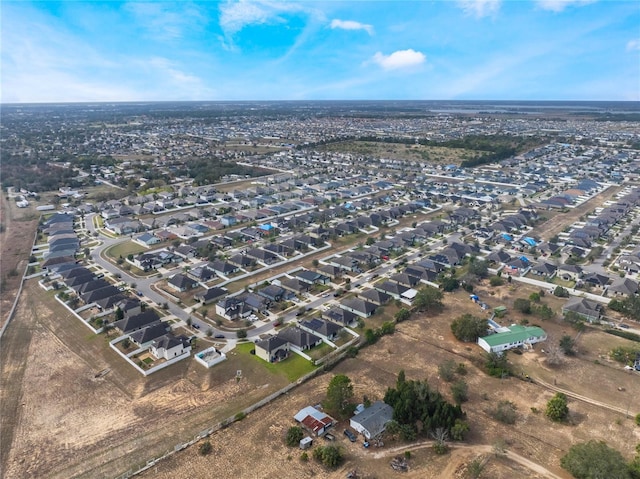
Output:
x=293 y=368
x=124 y=249
x=319 y=351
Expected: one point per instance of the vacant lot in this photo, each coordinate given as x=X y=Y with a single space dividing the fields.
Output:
x=401 y=151
x=559 y=221
x=418 y=347
x=16 y=235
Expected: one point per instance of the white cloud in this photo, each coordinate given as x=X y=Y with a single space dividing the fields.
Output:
x=234 y=16
x=480 y=8
x=400 y=59
x=165 y=21
x=633 y=45
x=560 y=5
x=351 y=25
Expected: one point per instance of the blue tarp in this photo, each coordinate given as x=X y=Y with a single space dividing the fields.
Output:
x=524 y=258
x=507 y=237
x=530 y=241
x=266 y=227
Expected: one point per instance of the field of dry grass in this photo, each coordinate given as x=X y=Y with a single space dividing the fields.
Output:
x=400 y=151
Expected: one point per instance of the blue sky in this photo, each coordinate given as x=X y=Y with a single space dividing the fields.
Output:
x=317 y=50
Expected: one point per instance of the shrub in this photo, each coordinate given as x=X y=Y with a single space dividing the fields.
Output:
x=205 y=448
x=557 y=409
x=446 y=370
x=505 y=412
x=331 y=456
x=240 y=416
x=241 y=333
x=637 y=419
x=460 y=391
x=294 y=436
x=496 y=281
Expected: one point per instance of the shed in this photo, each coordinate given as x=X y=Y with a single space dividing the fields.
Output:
x=306 y=442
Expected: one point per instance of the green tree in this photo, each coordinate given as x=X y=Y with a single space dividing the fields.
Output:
x=119 y=314
x=339 y=394
x=428 y=299
x=294 y=436
x=331 y=456
x=479 y=268
x=560 y=292
x=496 y=281
x=402 y=315
x=468 y=328
x=557 y=409
x=595 y=460
x=241 y=333
x=497 y=364
x=566 y=344
x=523 y=305
x=449 y=284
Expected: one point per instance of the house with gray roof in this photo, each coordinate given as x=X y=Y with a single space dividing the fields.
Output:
x=372 y=421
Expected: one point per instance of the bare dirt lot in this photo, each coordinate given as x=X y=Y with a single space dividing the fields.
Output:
x=18 y=228
x=401 y=151
x=559 y=221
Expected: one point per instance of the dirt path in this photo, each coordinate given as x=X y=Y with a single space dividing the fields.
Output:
x=453 y=465
x=584 y=398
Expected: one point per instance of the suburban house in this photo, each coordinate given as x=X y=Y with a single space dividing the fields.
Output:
x=170 y=346
x=547 y=270
x=232 y=308
x=359 y=307
x=588 y=310
x=272 y=349
x=137 y=321
x=513 y=336
x=143 y=337
x=181 y=283
x=372 y=421
x=340 y=316
x=299 y=338
x=210 y=295
x=624 y=287
x=311 y=277
x=327 y=330
x=314 y=421
x=569 y=272
x=375 y=296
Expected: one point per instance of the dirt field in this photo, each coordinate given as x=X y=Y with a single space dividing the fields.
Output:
x=19 y=227
x=400 y=151
x=555 y=225
x=533 y=438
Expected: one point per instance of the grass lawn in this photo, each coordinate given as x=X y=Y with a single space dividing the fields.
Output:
x=319 y=351
x=293 y=368
x=565 y=284
x=124 y=249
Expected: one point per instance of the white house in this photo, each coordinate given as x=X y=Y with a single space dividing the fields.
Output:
x=170 y=346
x=516 y=336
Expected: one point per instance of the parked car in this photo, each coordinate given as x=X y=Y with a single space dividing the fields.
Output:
x=350 y=435
x=219 y=336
